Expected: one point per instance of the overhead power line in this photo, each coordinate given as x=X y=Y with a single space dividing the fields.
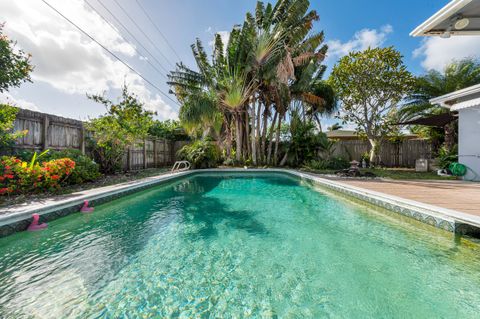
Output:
x=115 y=29
x=110 y=52
x=143 y=32
x=158 y=29
x=132 y=35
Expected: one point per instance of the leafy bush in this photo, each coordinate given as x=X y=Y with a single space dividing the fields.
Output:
x=334 y=163
x=17 y=176
x=86 y=170
x=447 y=157
x=169 y=129
x=201 y=154
x=7 y=119
x=124 y=123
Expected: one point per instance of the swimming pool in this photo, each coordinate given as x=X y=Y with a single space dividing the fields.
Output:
x=238 y=245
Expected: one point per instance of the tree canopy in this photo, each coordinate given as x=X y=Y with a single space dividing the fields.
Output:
x=15 y=66
x=370 y=85
x=123 y=125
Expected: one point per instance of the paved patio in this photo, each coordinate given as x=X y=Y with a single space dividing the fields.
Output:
x=457 y=195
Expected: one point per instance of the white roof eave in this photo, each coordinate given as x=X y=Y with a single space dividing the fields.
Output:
x=443 y=14
x=465 y=104
x=449 y=100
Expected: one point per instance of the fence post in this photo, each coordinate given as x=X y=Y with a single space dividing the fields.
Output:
x=45 y=132
x=144 y=153
x=129 y=159
x=164 y=152
x=155 y=159
x=82 y=139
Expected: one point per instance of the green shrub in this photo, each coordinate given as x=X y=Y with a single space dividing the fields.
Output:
x=334 y=163
x=201 y=154
x=447 y=157
x=86 y=170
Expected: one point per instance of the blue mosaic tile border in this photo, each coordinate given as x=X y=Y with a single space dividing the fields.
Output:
x=419 y=214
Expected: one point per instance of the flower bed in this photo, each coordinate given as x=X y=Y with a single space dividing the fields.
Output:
x=19 y=177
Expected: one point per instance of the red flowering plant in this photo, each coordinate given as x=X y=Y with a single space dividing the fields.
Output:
x=17 y=176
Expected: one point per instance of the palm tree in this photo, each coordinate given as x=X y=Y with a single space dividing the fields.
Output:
x=270 y=62
x=457 y=75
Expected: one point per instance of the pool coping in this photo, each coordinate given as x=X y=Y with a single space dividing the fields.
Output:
x=17 y=218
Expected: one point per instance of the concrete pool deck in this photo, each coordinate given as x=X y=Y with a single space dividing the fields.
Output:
x=455 y=195
x=452 y=206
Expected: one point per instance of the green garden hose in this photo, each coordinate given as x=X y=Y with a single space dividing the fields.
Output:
x=457 y=169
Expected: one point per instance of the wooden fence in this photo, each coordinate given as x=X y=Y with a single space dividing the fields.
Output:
x=402 y=154
x=46 y=131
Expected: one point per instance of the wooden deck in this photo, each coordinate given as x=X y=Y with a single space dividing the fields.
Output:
x=457 y=195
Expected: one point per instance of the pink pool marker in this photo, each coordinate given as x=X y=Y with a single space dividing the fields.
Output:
x=85 y=208
x=34 y=226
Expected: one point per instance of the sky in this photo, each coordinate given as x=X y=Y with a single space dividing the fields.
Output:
x=69 y=65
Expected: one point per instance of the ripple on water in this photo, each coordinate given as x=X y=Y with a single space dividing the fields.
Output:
x=239 y=246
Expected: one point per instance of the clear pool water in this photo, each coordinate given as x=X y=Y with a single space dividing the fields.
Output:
x=237 y=246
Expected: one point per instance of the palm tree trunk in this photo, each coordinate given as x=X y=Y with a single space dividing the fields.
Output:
x=270 y=138
x=238 y=139
x=264 y=133
x=277 y=140
x=247 y=135
x=228 y=138
x=318 y=122
x=252 y=137
x=259 y=108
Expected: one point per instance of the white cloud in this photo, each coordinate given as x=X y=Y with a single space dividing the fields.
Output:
x=68 y=60
x=361 y=40
x=7 y=98
x=437 y=52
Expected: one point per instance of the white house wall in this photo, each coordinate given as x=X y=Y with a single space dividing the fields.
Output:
x=469 y=141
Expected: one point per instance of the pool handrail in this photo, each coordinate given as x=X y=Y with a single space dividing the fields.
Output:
x=177 y=166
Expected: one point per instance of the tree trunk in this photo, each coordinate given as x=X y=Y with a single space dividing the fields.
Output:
x=270 y=138
x=449 y=136
x=284 y=159
x=253 y=140
x=373 y=151
x=228 y=139
x=238 y=132
x=258 y=131
x=248 y=149
x=264 y=134
x=318 y=122
x=277 y=140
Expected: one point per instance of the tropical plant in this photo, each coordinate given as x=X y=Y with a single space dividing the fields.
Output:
x=447 y=156
x=7 y=120
x=334 y=163
x=201 y=154
x=122 y=126
x=169 y=129
x=370 y=85
x=15 y=64
x=270 y=64
x=456 y=75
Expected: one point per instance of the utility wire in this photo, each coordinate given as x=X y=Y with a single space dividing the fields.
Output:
x=158 y=29
x=115 y=29
x=110 y=52
x=133 y=36
x=143 y=32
